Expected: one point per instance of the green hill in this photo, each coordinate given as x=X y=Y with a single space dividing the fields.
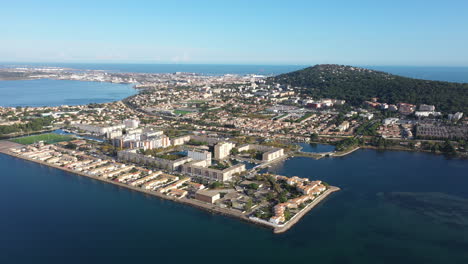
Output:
x=356 y=85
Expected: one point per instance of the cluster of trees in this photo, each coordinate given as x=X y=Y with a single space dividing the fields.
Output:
x=368 y=128
x=197 y=142
x=71 y=146
x=254 y=154
x=36 y=124
x=382 y=142
x=216 y=185
x=248 y=205
x=356 y=86
x=314 y=137
x=347 y=143
x=219 y=166
x=447 y=147
x=151 y=152
x=109 y=150
x=254 y=186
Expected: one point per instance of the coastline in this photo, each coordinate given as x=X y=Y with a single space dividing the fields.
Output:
x=6 y=145
x=295 y=219
x=341 y=154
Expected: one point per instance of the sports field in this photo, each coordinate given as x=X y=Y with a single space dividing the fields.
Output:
x=48 y=138
x=181 y=112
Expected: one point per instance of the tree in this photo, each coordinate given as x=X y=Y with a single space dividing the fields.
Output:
x=234 y=151
x=282 y=198
x=248 y=205
x=253 y=186
x=314 y=137
x=258 y=214
x=216 y=185
x=449 y=148
x=287 y=214
x=71 y=146
x=269 y=196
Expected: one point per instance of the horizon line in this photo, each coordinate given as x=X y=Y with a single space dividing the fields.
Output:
x=231 y=64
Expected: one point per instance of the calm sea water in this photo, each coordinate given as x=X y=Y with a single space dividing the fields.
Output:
x=449 y=74
x=50 y=216
x=47 y=92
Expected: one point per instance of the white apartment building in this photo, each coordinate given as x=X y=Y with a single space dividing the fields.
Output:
x=223 y=149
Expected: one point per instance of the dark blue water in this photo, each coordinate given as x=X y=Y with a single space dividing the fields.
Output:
x=46 y=92
x=316 y=148
x=50 y=216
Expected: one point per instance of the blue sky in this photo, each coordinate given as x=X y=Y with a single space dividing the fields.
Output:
x=378 y=32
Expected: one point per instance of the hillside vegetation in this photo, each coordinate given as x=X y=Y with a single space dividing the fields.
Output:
x=356 y=85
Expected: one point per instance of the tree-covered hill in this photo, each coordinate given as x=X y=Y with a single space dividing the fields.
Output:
x=356 y=85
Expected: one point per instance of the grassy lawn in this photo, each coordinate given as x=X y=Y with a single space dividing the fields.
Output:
x=48 y=138
x=181 y=112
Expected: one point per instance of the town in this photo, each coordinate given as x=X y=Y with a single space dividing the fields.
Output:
x=243 y=105
x=184 y=169
x=207 y=140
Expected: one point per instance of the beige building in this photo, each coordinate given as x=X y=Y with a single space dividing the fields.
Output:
x=344 y=126
x=223 y=149
x=201 y=170
x=269 y=153
x=207 y=196
x=180 y=140
x=133 y=156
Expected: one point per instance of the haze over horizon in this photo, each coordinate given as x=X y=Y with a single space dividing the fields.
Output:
x=400 y=33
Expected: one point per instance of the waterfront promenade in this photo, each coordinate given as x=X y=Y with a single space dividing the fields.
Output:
x=5 y=147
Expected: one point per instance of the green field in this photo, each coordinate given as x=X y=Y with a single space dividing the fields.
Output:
x=48 y=138
x=181 y=112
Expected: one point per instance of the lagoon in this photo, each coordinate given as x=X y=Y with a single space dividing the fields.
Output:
x=48 y=92
x=315 y=148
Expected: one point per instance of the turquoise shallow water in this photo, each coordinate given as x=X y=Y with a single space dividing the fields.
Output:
x=50 y=216
x=47 y=92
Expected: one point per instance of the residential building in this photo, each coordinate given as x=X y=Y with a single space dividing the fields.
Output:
x=223 y=150
x=207 y=196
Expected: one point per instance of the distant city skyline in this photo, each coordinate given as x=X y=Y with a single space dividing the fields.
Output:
x=400 y=33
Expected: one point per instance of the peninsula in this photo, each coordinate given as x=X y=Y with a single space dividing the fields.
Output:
x=206 y=140
x=269 y=200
